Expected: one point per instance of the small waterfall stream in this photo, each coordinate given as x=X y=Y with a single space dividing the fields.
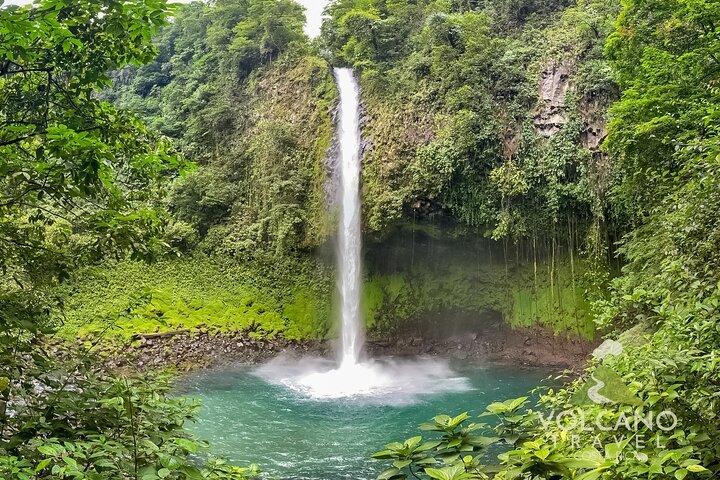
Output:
x=349 y=248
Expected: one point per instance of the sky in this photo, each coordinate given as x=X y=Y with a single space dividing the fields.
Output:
x=313 y=12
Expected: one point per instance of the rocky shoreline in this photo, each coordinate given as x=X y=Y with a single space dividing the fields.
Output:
x=199 y=349
x=537 y=347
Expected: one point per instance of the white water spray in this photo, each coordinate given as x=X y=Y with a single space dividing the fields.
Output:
x=349 y=248
x=352 y=378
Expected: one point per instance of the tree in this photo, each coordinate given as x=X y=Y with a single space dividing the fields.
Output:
x=78 y=177
x=267 y=30
x=667 y=57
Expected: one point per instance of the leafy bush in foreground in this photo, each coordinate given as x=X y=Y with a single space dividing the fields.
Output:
x=65 y=417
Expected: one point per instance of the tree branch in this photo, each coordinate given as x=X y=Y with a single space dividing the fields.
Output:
x=25 y=245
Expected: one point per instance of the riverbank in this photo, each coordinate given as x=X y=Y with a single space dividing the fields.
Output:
x=188 y=350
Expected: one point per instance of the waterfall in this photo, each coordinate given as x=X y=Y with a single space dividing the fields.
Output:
x=379 y=380
x=349 y=249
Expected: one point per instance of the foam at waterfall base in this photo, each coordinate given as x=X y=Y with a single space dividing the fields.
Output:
x=382 y=381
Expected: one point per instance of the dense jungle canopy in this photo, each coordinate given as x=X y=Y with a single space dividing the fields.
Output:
x=167 y=167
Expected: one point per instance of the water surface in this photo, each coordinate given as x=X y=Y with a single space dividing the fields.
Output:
x=293 y=437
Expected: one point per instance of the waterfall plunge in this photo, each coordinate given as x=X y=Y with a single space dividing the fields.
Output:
x=352 y=378
x=384 y=381
x=349 y=249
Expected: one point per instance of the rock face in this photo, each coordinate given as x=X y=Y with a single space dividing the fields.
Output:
x=193 y=350
x=608 y=347
x=554 y=84
x=526 y=346
x=593 y=113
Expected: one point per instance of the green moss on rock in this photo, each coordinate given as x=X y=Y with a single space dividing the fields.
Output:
x=129 y=298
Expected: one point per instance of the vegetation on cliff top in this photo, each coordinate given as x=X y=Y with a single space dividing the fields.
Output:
x=456 y=125
x=243 y=94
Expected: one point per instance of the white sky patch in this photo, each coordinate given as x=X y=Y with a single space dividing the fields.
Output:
x=314 y=14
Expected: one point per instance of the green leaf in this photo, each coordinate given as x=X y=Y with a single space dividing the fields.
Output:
x=187 y=445
x=592 y=474
x=411 y=443
x=427 y=446
x=384 y=454
x=436 y=473
x=47 y=450
x=542 y=454
x=43 y=464
x=391 y=474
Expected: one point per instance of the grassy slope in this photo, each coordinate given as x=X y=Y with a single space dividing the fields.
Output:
x=132 y=297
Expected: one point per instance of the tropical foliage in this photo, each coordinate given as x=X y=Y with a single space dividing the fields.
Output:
x=576 y=137
x=451 y=88
x=70 y=418
x=663 y=139
x=81 y=181
x=238 y=88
